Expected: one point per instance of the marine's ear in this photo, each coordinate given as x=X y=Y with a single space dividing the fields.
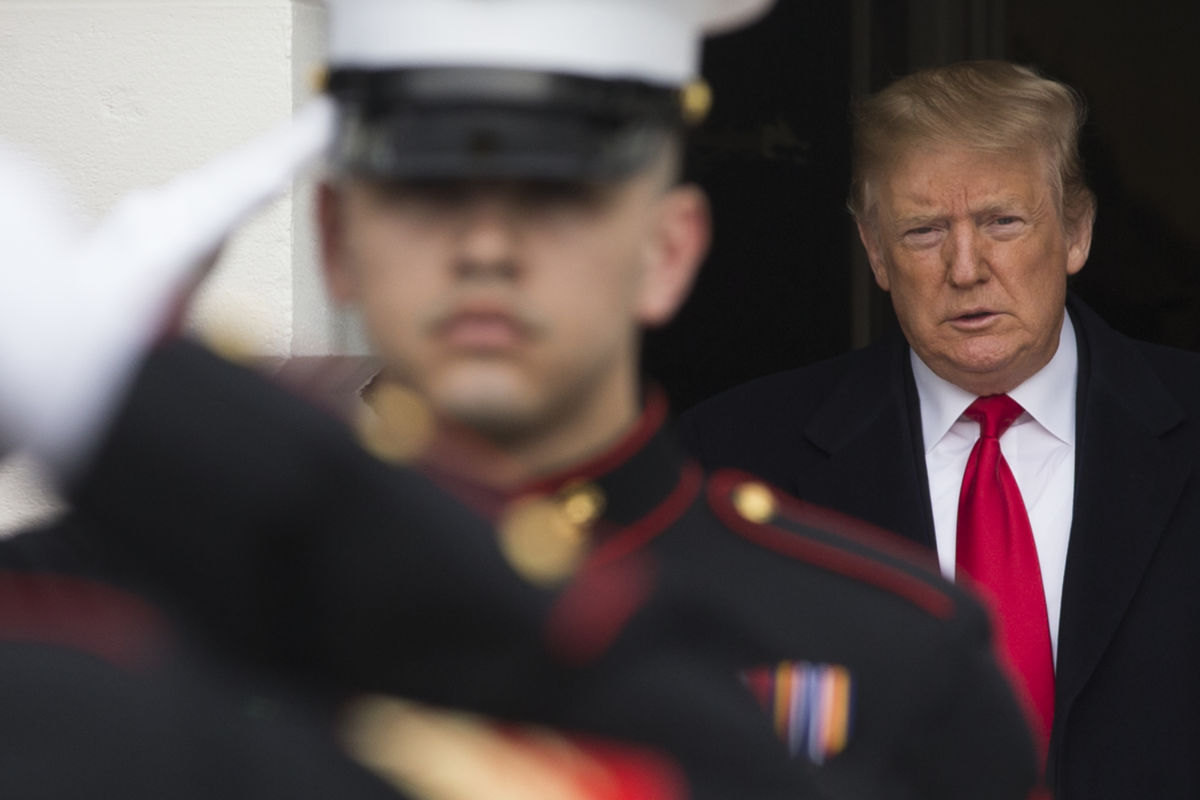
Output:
x=331 y=235
x=675 y=250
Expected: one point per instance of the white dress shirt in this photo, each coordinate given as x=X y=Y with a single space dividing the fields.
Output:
x=1039 y=448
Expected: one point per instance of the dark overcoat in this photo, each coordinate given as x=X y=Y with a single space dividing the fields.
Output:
x=845 y=433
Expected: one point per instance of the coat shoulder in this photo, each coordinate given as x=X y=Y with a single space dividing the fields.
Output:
x=793 y=530
x=783 y=393
x=760 y=425
x=1179 y=370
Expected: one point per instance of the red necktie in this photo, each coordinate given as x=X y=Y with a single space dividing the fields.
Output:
x=995 y=548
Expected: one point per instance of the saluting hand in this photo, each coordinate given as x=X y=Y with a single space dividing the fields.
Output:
x=78 y=312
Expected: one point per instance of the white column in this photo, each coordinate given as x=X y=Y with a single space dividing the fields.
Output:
x=115 y=94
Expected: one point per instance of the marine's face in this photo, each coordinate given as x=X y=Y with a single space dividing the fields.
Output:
x=974 y=252
x=514 y=308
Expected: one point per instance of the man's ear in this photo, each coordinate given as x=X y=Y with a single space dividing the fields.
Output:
x=677 y=247
x=331 y=232
x=869 y=236
x=1079 y=243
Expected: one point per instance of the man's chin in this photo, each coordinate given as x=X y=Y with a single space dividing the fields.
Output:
x=489 y=409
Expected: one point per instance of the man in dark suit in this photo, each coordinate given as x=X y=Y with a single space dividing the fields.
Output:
x=969 y=198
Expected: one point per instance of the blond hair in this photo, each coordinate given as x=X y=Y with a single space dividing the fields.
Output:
x=990 y=106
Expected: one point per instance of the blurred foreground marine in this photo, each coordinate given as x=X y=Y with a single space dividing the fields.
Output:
x=105 y=696
x=101 y=700
x=504 y=210
x=101 y=695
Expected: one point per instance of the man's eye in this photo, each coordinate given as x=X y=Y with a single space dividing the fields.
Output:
x=921 y=235
x=1007 y=220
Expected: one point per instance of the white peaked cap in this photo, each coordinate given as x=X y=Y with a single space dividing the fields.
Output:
x=656 y=41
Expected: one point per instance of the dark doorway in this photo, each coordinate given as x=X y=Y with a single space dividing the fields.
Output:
x=774 y=158
x=786 y=283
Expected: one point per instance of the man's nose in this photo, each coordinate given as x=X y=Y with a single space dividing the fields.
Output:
x=487 y=237
x=966 y=257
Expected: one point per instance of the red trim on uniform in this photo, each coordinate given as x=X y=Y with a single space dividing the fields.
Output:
x=652 y=418
x=635 y=536
x=860 y=530
x=826 y=556
x=613 y=583
x=595 y=607
x=598 y=769
x=852 y=527
x=83 y=615
x=631 y=775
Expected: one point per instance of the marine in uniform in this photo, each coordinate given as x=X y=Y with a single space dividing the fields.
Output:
x=772 y=648
x=285 y=543
x=873 y=672
x=104 y=693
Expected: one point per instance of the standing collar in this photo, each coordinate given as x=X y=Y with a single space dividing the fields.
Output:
x=627 y=482
x=1042 y=395
x=632 y=477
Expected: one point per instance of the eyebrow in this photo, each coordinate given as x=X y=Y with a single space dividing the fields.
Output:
x=1005 y=204
x=916 y=220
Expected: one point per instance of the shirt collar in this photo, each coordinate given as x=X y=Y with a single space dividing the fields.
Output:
x=943 y=403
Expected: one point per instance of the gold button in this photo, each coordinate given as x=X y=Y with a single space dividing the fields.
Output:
x=540 y=541
x=754 y=501
x=396 y=425
x=582 y=503
x=696 y=100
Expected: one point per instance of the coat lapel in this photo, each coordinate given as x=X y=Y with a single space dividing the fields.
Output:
x=1128 y=480
x=868 y=457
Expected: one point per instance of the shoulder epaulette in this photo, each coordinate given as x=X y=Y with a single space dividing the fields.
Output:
x=827 y=539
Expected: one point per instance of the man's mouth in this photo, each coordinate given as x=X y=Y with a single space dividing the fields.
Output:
x=974 y=318
x=481 y=329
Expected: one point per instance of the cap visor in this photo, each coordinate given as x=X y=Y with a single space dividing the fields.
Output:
x=496 y=143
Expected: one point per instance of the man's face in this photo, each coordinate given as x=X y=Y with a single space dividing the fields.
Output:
x=514 y=308
x=972 y=248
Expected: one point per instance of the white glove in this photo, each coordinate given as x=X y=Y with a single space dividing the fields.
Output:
x=76 y=317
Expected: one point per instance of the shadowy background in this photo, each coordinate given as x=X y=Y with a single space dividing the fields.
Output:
x=786 y=282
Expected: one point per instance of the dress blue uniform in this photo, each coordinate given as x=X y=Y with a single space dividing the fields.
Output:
x=705 y=612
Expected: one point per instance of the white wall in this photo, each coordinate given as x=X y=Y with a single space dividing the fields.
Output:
x=120 y=93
